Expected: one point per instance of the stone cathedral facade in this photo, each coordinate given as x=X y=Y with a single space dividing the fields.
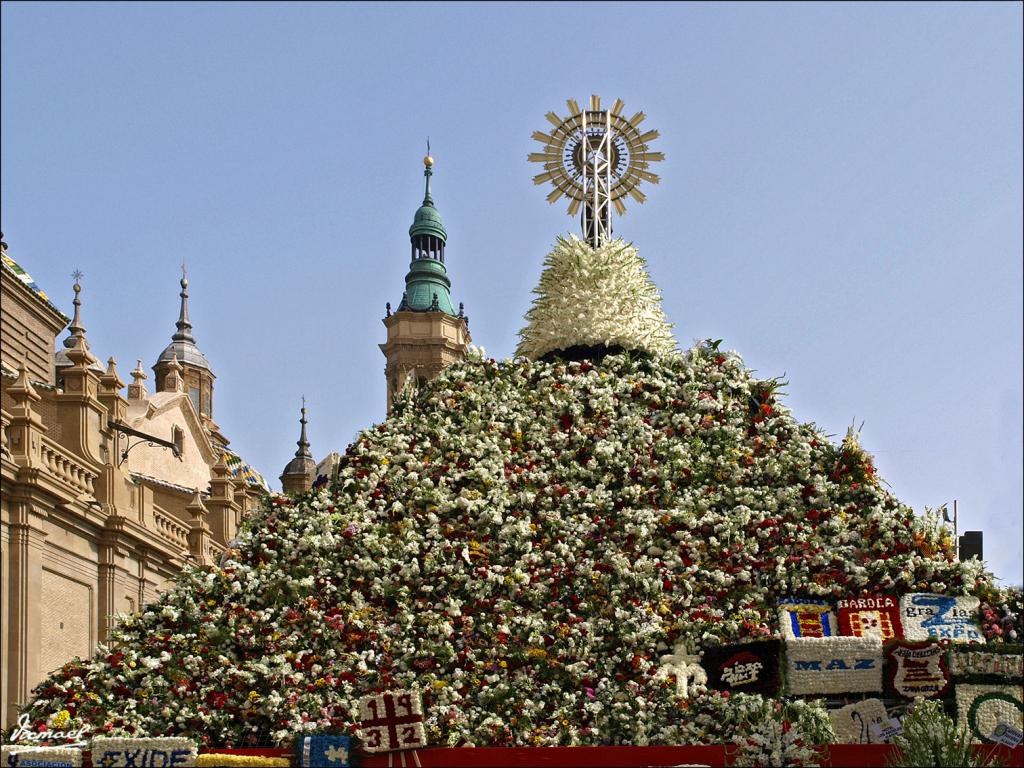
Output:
x=105 y=491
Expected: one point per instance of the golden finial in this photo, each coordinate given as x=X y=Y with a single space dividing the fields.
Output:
x=428 y=160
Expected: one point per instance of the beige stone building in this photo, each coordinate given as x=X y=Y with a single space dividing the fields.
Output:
x=105 y=493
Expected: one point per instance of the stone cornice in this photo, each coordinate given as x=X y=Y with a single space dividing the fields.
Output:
x=17 y=290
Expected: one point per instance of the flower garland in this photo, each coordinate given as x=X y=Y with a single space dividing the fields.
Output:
x=17 y=756
x=833 y=665
x=523 y=543
x=114 y=752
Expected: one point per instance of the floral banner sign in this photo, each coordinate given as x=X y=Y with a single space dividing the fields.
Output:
x=15 y=756
x=833 y=665
x=917 y=669
x=993 y=662
x=860 y=722
x=806 y=618
x=325 y=751
x=392 y=721
x=870 y=615
x=982 y=708
x=746 y=668
x=163 y=752
x=939 y=617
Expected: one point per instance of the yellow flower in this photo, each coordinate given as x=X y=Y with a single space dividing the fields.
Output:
x=219 y=760
x=253 y=696
x=61 y=719
x=439 y=684
x=503 y=664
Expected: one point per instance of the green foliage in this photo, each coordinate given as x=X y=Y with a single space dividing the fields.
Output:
x=931 y=738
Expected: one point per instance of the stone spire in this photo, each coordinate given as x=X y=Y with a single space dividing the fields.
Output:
x=76 y=346
x=77 y=338
x=299 y=473
x=172 y=381
x=195 y=375
x=110 y=392
x=184 y=326
x=183 y=343
x=137 y=390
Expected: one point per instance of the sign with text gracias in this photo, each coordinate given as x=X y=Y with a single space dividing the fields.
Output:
x=939 y=617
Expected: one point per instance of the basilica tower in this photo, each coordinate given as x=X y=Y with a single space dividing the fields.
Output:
x=300 y=472
x=425 y=333
x=182 y=356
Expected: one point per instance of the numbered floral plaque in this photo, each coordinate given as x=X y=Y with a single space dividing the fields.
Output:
x=392 y=721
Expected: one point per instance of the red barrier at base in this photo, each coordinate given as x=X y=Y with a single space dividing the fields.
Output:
x=835 y=756
x=878 y=755
x=560 y=757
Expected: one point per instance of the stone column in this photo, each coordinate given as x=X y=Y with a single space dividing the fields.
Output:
x=82 y=415
x=223 y=511
x=198 y=531
x=23 y=618
x=26 y=426
x=108 y=551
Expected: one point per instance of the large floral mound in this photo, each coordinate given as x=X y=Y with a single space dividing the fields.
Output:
x=522 y=541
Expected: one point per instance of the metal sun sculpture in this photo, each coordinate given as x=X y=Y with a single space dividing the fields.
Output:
x=596 y=157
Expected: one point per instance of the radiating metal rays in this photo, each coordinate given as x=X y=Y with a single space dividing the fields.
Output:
x=595 y=158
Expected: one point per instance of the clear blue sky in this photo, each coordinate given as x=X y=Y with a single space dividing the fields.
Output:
x=841 y=199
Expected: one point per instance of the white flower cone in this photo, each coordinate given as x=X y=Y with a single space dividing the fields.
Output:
x=591 y=297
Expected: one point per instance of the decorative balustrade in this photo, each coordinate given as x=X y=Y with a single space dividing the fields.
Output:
x=171 y=529
x=68 y=470
x=215 y=551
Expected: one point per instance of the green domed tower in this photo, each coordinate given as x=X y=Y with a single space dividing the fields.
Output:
x=427 y=287
x=426 y=333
